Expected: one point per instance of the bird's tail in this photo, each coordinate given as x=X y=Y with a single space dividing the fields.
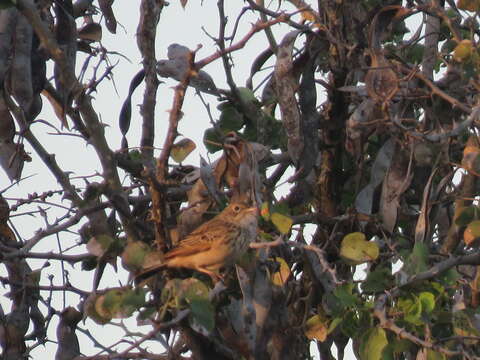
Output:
x=148 y=272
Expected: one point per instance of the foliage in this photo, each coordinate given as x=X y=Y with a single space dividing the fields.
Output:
x=372 y=237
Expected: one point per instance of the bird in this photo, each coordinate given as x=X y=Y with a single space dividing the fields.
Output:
x=177 y=66
x=214 y=245
x=176 y=51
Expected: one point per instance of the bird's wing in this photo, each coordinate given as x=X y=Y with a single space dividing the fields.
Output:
x=200 y=239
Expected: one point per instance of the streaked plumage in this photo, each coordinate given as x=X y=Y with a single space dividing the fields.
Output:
x=216 y=244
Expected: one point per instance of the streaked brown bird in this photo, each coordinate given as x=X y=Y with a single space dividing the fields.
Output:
x=216 y=244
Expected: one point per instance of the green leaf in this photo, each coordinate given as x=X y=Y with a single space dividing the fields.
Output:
x=417 y=261
x=378 y=280
x=120 y=302
x=400 y=345
x=4 y=4
x=134 y=254
x=334 y=323
x=194 y=289
x=428 y=301
x=333 y=305
x=449 y=277
x=412 y=310
x=246 y=95
x=463 y=325
x=172 y=293
x=212 y=140
x=90 y=309
x=202 y=316
x=344 y=293
x=135 y=155
x=230 y=119
x=414 y=53
x=356 y=250
x=133 y=299
x=375 y=341
x=110 y=303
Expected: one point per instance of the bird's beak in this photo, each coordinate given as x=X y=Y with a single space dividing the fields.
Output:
x=252 y=210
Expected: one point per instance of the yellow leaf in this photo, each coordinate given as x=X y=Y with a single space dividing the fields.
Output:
x=282 y=222
x=356 y=250
x=316 y=328
x=472 y=232
x=471 y=158
x=265 y=211
x=308 y=16
x=434 y=355
x=280 y=277
x=182 y=149
x=463 y=50
x=373 y=343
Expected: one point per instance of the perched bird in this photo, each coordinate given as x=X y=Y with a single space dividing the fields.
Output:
x=176 y=51
x=178 y=64
x=216 y=244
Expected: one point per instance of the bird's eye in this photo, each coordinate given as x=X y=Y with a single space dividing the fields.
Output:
x=236 y=208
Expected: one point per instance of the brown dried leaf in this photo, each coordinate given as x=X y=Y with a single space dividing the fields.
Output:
x=91 y=32
x=225 y=171
x=57 y=107
x=280 y=277
x=316 y=328
x=7 y=126
x=68 y=346
x=471 y=158
x=110 y=21
x=381 y=81
x=192 y=217
x=286 y=86
x=469 y=5
x=396 y=182
x=12 y=157
x=424 y=217
x=21 y=68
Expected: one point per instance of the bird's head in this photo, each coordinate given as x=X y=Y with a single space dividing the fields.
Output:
x=240 y=213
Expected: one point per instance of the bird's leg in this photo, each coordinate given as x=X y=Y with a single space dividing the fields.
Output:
x=213 y=275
